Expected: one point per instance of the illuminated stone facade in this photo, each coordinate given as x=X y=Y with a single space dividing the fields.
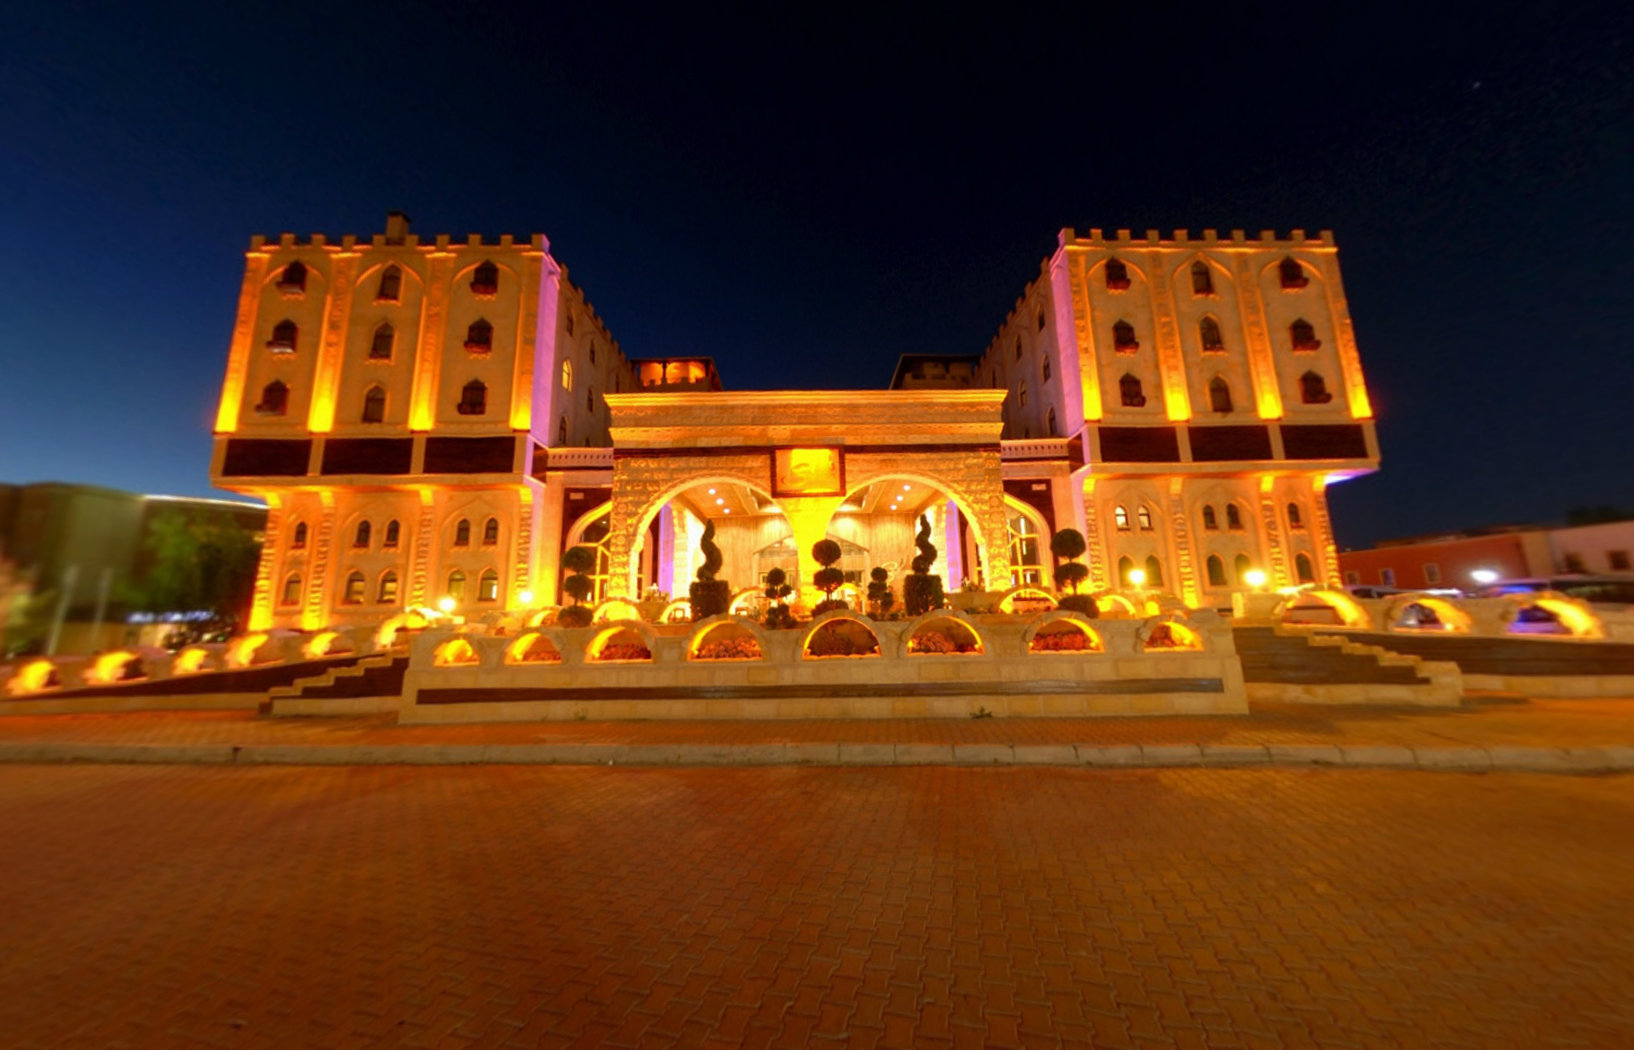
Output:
x=431 y=419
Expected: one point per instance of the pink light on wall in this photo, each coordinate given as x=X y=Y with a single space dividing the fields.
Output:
x=955 y=554
x=666 y=550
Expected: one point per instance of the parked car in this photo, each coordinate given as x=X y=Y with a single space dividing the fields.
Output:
x=1596 y=590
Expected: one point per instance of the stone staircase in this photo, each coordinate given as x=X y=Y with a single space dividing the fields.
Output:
x=1305 y=667
x=373 y=684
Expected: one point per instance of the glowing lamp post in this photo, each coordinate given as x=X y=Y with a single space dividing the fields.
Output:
x=1137 y=578
x=1484 y=577
x=1255 y=578
x=525 y=597
x=446 y=603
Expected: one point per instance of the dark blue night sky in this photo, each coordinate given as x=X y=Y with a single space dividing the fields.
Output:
x=806 y=199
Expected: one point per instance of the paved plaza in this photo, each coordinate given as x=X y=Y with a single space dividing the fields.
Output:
x=279 y=907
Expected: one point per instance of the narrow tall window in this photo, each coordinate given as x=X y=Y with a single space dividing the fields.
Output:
x=1123 y=338
x=388 y=588
x=1303 y=336
x=1045 y=368
x=1154 y=571
x=1129 y=388
x=1126 y=565
x=1018 y=349
x=485 y=279
x=360 y=538
x=391 y=285
x=488 y=586
x=1049 y=422
x=490 y=532
x=374 y=404
x=292 y=590
x=589 y=399
x=1202 y=279
x=1313 y=389
x=479 y=337
x=394 y=533
x=561 y=432
x=1121 y=518
x=293 y=279
x=1219 y=394
x=592 y=353
x=456 y=585
x=1294 y=519
x=1216 y=571
x=384 y=338
x=567 y=375
x=1240 y=568
x=284 y=334
x=1234 y=518
x=298 y=541
x=1211 y=521
x=1117 y=276
x=1292 y=274
x=355 y=583
x=1208 y=333
x=462 y=533
x=1303 y=570
x=1041 y=320
x=1021 y=394
x=473 y=399
x=274 y=399
x=1144 y=515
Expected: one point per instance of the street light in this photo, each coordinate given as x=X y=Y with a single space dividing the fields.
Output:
x=525 y=597
x=1137 y=578
x=1255 y=578
x=1484 y=577
x=446 y=603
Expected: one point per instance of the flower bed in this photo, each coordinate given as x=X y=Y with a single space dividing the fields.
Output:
x=540 y=651
x=744 y=647
x=624 y=651
x=1064 y=638
x=926 y=642
x=842 y=638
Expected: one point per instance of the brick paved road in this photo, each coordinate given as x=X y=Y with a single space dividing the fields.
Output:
x=506 y=906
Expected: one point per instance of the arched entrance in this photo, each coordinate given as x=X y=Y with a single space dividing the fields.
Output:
x=877 y=523
x=751 y=531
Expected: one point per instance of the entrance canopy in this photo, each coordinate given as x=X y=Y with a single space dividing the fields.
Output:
x=807 y=451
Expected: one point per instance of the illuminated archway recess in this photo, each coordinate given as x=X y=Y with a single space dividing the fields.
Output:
x=807 y=449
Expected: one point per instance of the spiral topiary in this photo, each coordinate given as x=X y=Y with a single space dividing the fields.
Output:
x=710 y=597
x=922 y=592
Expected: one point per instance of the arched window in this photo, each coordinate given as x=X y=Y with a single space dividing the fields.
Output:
x=1211 y=521
x=1313 y=389
x=589 y=399
x=1219 y=394
x=355 y=583
x=567 y=375
x=1154 y=571
x=1292 y=274
x=1117 y=276
x=473 y=399
x=456 y=585
x=284 y=334
x=1303 y=570
x=291 y=594
x=374 y=404
x=1240 y=567
x=1303 y=335
x=479 y=336
x=1208 y=331
x=592 y=353
x=490 y=532
x=293 y=279
x=1294 y=520
x=1234 y=518
x=393 y=533
x=391 y=285
x=1202 y=279
x=1021 y=394
x=485 y=279
x=388 y=588
x=1216 y=571
x=1041 y=320
x=1123 y=338
x=274 y=399
x=1025 y=558
x=1018 y=349
x=298 y=541
x=362 y=536
x=1144 y=516
x=1044 y=367
x=561 y=432
x=384 y=337
x=1121 y=518
x=488 y=586
x=595 y=536
x=462 y=533
x=1129 y=389
x=1126 y=565
x=1049 y=422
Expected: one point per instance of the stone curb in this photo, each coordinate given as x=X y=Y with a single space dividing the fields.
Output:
x=1506 y=759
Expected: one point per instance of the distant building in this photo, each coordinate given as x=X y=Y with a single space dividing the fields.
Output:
x=72 y=547
x=1511 y=551
x=435 y=421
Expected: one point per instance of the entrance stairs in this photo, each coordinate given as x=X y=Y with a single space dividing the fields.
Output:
x=1282 y=664
x=373 y=684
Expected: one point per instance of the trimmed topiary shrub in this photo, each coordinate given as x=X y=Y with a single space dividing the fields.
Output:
x=880 y=598
x=922 y=592
x=710 y=597
x=1066 y=545
x=1082 y=604
x=777 y=609
x=579 y=561
x=574 y=616
x=828 y=579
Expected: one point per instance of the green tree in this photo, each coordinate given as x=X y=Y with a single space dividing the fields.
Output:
x=199 y=561
x=1066 y=545
x=828 y=579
